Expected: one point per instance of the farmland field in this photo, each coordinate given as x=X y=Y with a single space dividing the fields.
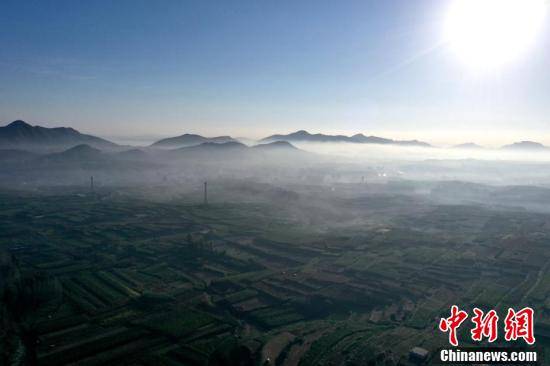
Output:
x=123 y=279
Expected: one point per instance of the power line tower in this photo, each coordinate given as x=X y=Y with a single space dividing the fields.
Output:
x=205 y=193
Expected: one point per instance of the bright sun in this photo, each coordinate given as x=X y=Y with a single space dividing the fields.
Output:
x=487 y=34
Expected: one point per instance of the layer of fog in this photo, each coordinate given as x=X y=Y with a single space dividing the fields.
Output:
x=392 y=153
x=335 y=175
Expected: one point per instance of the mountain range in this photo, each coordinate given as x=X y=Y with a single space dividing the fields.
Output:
x=20 y=135
x=231 y=150
x=189 y=140
x=304 y=136
x=209 y=150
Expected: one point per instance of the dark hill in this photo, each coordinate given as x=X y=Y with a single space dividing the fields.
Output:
x=81 y=152
x=213 y=146
x=21 y=135
x=190 y=140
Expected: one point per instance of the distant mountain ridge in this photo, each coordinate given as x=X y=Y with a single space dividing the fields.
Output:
x=187 y=140
x=359 y=138
x=236 y=152
x=468 y=145
x=237 y=147
x=84 y=154
x=526 y=145
x=276 y=145
x=20 y=134
x=214 y=146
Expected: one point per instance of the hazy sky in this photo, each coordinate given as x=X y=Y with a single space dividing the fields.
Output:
x=252 y=68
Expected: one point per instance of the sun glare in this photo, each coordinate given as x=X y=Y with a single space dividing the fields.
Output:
x=487 y=34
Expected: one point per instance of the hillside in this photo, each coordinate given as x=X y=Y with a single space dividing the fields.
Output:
x=21 y=135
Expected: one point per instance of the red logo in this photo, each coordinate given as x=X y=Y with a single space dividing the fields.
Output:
x=517 y=325
x=452 y=323
x=485 y=325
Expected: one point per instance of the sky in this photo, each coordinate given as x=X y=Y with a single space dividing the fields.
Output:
x=133 y=69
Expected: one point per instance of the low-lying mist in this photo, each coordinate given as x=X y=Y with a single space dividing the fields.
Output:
x=331 y=175
x=392 y=153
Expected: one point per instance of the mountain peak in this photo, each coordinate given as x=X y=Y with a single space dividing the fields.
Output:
x=78 y=153
x=83 y=148
x=526 y=145
x=468 y=145
x=279 y=145
x=83 y=151
x=19 y=124
x=213 y=147
x=20 y=134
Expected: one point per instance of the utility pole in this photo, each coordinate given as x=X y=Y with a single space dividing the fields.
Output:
x=92 y=183
x=205 y=193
